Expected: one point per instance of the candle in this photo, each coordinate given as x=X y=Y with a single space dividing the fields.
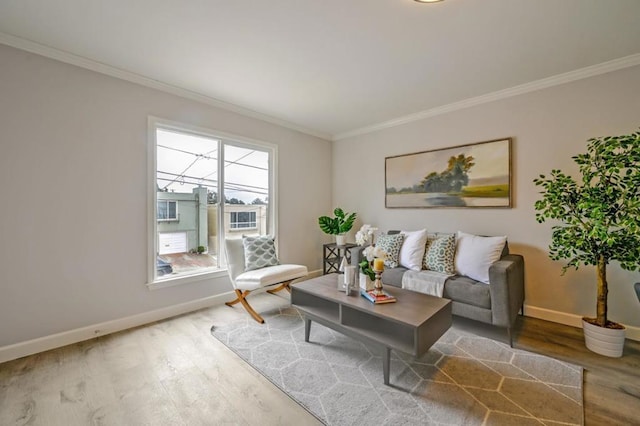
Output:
x=349 y=274
x=378 y=264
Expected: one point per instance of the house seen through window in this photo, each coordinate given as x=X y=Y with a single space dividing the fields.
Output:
x=207 y=188
x=243 y=220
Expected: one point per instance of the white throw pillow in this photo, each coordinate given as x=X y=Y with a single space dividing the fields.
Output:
x=474 y=255
x=412 y=250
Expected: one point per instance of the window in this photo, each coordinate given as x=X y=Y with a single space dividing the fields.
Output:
x=167 y=210
x=204 y=187
x=243 y=220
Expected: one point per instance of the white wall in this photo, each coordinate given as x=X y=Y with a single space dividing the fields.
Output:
x=548 y=127
x=73 y=221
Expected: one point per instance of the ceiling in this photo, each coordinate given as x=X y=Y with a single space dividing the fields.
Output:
x=332 y=68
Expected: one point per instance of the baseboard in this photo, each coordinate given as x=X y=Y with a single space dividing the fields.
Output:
x=632 y=333
x=30 y=347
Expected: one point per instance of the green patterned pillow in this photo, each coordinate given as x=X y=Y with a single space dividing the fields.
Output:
x=391 y=245
x=259 y=252
x=440 y=253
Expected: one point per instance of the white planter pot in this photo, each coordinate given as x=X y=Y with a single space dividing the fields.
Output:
x=602 y=340
x=340 y=240
x=365 y=282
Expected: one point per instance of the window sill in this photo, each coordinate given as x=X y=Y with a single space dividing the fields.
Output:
x=189 y=279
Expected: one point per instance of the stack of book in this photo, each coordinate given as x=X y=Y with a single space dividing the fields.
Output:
x=371 y=297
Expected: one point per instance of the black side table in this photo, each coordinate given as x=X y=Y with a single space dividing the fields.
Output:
x=332 y=255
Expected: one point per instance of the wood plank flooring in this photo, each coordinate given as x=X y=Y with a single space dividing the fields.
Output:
x=174 y=373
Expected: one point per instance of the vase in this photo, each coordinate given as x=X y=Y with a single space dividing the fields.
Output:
x=602 y=340
x=340 y=239
x=365 y=282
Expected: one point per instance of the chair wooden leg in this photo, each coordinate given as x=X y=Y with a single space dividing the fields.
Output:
x=241 y=295
x=283 y=286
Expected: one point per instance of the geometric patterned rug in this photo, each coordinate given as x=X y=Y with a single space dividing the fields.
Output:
x=463 y=379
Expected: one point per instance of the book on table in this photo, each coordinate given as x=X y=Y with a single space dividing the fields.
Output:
x=371 y=297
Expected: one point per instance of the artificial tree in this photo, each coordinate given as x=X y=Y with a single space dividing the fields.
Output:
x=600 y=212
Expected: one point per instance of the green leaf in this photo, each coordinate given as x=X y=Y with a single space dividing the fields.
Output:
x=599 y=212
x=340 y=224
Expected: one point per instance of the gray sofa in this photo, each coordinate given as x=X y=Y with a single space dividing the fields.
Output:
x=497 y=304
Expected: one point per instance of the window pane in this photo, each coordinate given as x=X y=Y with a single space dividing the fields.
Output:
x=186 y=179
x=162 y=210
x=246 y=190
x=189 y=224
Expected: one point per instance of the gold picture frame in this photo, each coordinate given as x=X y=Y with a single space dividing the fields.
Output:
x=476 y=175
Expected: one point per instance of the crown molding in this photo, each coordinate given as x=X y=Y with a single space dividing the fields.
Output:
x=590 y=71
x=80 y=61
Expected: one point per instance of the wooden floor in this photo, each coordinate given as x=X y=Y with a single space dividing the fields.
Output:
x=174 y=373
x=611 y=385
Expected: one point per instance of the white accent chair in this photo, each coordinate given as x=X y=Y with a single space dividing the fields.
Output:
x=245 y=282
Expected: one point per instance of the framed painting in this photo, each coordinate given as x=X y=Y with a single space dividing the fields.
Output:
x=473 y=175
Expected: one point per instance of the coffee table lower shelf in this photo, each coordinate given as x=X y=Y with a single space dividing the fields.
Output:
x=411 y=325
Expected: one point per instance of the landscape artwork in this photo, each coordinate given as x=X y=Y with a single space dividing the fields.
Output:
x=474 y=175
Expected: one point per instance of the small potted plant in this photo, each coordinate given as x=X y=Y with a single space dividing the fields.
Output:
x=367 y=274
x=366 y=234
x=601 y=222
x=338 y=225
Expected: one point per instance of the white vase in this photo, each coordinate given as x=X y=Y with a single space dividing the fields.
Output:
x=340 y=239
x=602 y=340
x=365 y=282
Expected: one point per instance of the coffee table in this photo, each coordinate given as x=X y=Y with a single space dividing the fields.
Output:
x=410 y=325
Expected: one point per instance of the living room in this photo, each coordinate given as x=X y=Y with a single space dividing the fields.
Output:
x=75 y=136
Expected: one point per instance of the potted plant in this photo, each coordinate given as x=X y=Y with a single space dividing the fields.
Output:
x=367 y=274
x=338 y=225
x=601 y=223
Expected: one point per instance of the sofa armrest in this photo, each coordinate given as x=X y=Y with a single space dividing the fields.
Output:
x=506 y=278
x=356 y=255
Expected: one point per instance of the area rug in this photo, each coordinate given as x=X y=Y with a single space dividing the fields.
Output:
x=463 y=379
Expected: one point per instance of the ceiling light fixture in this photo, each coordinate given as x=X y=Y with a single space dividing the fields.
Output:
x=428 y=1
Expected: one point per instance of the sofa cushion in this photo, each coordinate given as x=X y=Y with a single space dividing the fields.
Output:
x=412 y=250
x=391 y=245
x=468 y=291
x=393 y=276
x=475 y=254
x=440 y=253
x=262 y=277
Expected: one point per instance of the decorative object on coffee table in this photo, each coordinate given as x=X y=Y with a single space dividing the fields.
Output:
x=370 y=255
x=378 y=268
x=378 y=299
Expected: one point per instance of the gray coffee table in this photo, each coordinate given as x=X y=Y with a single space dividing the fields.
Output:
x=411 y=325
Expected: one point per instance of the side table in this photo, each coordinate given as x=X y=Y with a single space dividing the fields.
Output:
x=332 y=255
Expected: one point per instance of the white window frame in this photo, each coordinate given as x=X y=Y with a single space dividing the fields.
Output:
x=168 y=219
x=154 y=123
x=254 y=222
